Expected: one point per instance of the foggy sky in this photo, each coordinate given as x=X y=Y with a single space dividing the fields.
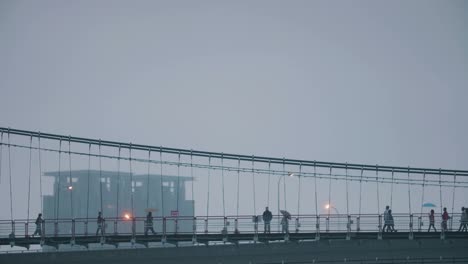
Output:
x=374 y=82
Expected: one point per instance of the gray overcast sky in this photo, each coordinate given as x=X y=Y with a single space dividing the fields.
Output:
x=375 y=82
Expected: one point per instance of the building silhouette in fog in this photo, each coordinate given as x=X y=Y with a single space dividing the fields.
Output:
x=84 y=200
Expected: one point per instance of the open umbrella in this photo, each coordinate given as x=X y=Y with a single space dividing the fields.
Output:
x=429 y=205
x=286 y=214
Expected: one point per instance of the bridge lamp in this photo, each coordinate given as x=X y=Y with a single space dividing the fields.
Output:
x=127 y=216
x=70 y=188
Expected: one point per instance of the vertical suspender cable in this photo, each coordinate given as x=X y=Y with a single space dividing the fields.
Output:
x=100 y=178
x=329 y=192
x=161 y=182
x=178 y=183
x=391 y=191
x=453 y=198
x=409 y=192
x=253 y=181
x=1 y=151
x=299 y=191
x=9 y=172
x=347 y=195
x=315 y=186
x=269 y=176
x=191 y=176
x=378 y=193
x=89 y=174
x=222 y=179
x=29 y=176
x=57 y=209
x=70 y=187
x=148 y=179
x=360 y=191
x=132 y=184
x=284 y=184
x=422 y=195
x=440 y=188
x=208 y=189
x=117 y=208
x=40 y=170
x=238 y=181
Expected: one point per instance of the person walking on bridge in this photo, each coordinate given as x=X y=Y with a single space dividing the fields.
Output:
x=463 y=220
x=431 y=221
x=445 y=218
x=386 y=220
x=38 y=223
x=267 y=216
x=100 y=224
x=149 y=224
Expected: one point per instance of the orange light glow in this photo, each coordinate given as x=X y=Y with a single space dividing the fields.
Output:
x=127 y=216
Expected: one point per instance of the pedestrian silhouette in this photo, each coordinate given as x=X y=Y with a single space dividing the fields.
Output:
x=431 y=221
x=38 y=223
x=386 y=220
x=100 y=224
x=149 y=224
x=463 y=220
x=445 y=218
x=267 y=216
x=390 y=222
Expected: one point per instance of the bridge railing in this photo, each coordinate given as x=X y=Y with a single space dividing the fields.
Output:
x=189 y=225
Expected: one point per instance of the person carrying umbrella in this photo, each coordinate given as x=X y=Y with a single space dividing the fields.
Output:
x=285 y=221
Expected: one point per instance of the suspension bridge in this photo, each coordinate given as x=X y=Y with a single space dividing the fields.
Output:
x=189 y=197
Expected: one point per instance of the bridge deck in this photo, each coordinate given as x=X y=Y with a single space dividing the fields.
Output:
x=213 y=238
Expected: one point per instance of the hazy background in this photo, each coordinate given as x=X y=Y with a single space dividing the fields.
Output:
x=374 y=82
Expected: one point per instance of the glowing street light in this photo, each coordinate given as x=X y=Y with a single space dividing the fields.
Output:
x=70 y=188
x=127 y=216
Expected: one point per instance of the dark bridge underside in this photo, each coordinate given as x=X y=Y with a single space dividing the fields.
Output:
x=388 y=250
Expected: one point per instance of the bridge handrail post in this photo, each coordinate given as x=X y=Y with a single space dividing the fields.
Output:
x=317 y=228
x=348 y=228
x=411 y=236
x=358 y=223
x=236 y=226
x=194 y=230
x=420 y=223
x=133 y=227
x=115 y=227
x=442 y=230
x=26 y=229
x=13 y=228
x=327 y=224
x=43 y=230
x=297 y=224
x=55 y=228
x=379 y=234
x=206 y=225
x=86 y=227
x=164 y=226
x=73 y=229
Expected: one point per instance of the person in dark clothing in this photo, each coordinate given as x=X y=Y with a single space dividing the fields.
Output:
x=267 y=216
x=385 y=226
x=391 y=223
x=431 y=221
x=149 y=224
x=463 y=220
x=445 y=218
x=100 y=224
x=38 y=223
